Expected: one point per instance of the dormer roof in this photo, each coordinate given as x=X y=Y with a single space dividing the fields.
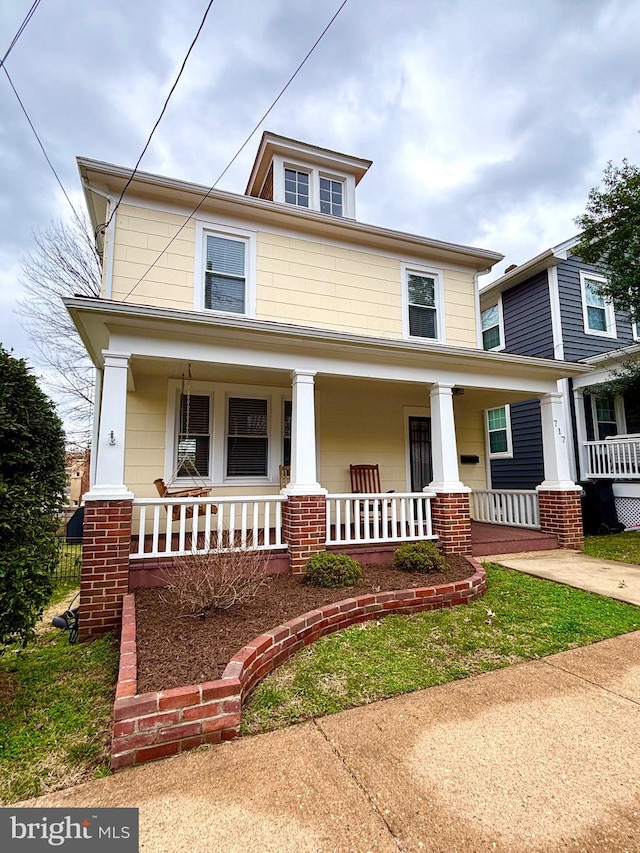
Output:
x=272 y=145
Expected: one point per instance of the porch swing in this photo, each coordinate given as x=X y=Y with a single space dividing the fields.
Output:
x=186 y=460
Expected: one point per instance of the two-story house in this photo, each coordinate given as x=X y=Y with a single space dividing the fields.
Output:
x=550 y=307
x=256 y=346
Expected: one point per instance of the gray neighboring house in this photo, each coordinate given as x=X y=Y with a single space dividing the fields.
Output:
x=549 y=307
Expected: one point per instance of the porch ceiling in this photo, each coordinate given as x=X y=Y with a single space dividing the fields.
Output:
x=179 y=337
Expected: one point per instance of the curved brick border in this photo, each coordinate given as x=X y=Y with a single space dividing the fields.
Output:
x=153 y=725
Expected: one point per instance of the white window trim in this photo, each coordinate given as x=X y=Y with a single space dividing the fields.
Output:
x=609 y=312
x=204 y=229
x=315 y=172
x=508 y=453
x=219 y=394
x=500 y=325
x=405 y=269
x=635 y=328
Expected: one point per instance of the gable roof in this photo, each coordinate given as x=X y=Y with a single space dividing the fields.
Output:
x=549 y=258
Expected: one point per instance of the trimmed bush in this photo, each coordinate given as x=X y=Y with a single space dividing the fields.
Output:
x=419 y=557
x=332 y=571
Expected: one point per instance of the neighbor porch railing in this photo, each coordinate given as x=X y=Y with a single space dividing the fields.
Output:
x=377 y=518
x=169 y=528
x=500 y=506
x=614 y=458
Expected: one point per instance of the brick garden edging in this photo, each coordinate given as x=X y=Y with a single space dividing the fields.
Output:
x=148 y=726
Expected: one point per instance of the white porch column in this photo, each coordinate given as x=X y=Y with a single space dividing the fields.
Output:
x=303 y=479
x=444 y=448
x=581 y=430
x=109 y=450
x=557 y=471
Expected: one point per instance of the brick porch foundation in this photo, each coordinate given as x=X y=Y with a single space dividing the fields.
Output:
x=451 y=516
x=105 y=565
x=561 y=514
x=304 y=528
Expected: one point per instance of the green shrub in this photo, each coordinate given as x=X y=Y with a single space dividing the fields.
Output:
x=332 y=571
x=419 y=557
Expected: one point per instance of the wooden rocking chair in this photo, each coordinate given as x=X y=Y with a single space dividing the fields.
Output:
x=365 y=479
x=192 y=492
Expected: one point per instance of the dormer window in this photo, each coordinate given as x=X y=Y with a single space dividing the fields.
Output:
x=330 y=196
x=296 y=187
x=319 y=180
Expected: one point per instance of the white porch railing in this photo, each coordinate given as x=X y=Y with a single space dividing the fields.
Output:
x=168 y=528
x=389 y=517
x=500 y=506
x=613 y=458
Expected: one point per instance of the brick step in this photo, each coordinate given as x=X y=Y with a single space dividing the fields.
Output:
x=535 y=542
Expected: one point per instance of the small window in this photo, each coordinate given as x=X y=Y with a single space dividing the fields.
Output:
x=636 y=331
x=491 y=338
x=247 y=437
x=605 y=409
x=194 y=436
x=599 y=318
x=225 y=275
x=499 y=432
x=423 y=319
x=296 y=187
x=331 y=196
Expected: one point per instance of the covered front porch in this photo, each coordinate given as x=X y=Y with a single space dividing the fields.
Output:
x=316 y=402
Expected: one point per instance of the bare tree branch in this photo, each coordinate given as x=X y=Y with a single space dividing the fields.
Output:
x=63 y=262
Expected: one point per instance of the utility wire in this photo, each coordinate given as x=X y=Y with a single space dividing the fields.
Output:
x=106 y=224
x=240 y=150
x=42 y=148
x=21 y=29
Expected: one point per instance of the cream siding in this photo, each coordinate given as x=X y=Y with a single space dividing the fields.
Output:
x=141 y=235
x=300 y=281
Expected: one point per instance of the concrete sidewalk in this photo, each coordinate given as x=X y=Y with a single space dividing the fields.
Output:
x=541 y=756
x=606 y=577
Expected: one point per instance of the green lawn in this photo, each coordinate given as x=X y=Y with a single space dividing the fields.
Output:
x=519 y=618
x=617 y=546
x=55 y=714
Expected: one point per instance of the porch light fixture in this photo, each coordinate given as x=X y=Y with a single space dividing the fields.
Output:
x=457 y=392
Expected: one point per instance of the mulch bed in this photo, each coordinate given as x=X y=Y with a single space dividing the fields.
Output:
x=176 y=650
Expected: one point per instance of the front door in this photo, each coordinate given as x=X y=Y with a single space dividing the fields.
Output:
x=420 y=453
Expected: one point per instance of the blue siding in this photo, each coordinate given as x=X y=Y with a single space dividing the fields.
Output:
x=577 y=343
x=526 y=310
x=526 y=469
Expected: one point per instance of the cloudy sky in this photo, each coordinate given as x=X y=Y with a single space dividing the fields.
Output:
x=487 y=122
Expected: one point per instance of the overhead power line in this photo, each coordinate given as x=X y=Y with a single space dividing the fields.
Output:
x=239 y=151
x=162 y=112
x=43 y=149
x=21 y=29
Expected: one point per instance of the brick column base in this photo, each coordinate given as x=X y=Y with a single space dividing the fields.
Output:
x=105 y=565
x=451 y=518
x=561 y=514
x=304 y=528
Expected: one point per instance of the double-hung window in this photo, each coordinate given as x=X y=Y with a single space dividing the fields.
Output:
x=331 y=196
x=599 y=317
x=491 y=337
x=225 y=286
x=499 y=432
x=422 y=302
x=296 y=187
x=605 y=416
x=194 y=436
x=247 y=437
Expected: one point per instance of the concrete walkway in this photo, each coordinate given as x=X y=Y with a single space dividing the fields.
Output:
x=541 y=756
x=606 y=577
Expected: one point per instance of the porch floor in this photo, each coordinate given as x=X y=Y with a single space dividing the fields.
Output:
x=503 y=539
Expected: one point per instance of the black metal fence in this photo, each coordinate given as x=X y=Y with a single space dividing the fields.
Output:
x=69 y=561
